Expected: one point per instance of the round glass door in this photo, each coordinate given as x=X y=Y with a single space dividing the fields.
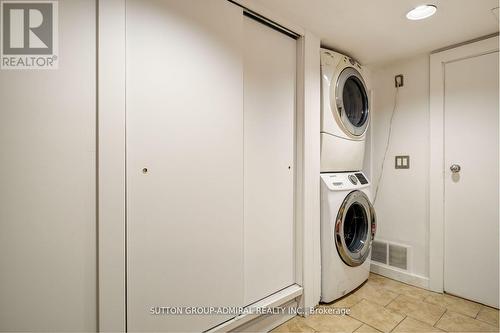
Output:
x=355 y=228
x=352 y=101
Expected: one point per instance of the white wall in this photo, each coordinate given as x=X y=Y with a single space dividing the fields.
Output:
x=47 y=185
x=402 y=203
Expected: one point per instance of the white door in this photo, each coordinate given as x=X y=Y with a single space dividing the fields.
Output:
x=184 y=161
x=269 y=108
x=471 y=255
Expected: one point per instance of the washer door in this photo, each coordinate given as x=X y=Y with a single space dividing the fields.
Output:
x=355 y=228
x=352 y=101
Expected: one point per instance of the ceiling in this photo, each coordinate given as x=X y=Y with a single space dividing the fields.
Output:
x=375 y=31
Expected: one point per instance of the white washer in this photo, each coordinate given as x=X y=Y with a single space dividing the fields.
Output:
x=348 y=225
x=345 y=113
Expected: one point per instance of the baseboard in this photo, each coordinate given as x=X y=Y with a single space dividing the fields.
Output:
x=286 y=298
x=400 y=275
x=266 y=323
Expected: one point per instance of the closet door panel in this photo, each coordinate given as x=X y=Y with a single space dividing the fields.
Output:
x=269 y=107
x=184 y=161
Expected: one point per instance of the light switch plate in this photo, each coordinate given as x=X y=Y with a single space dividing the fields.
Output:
x=402 y=162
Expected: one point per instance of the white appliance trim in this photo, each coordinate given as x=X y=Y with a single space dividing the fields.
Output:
x=436 y=165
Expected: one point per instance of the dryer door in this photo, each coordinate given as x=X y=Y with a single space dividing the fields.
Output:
x=355 y=228
x=352 y=101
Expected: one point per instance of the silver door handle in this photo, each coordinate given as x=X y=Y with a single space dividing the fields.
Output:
x=455 y=168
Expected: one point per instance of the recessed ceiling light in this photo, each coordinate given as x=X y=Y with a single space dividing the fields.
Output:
x=421 y=12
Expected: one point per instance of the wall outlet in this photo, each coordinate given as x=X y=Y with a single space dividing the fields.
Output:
x=399 y=80
x=402 y=162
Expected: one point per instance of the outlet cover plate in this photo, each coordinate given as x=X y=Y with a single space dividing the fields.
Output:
x=399 y=81
x=402 y=162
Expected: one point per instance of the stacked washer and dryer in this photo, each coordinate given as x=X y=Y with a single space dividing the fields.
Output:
x=348 y=222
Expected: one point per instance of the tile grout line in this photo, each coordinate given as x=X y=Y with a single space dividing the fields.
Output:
x=488 y=323
x=477 y=314
x=405 y=316
x=386 y=306
x=484 y=321
x=372 y=327
x=437 y=322
x=461 y=299
x=357 y=328
x=461 y=314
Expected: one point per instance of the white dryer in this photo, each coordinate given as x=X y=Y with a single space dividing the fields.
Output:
x=345 y=113
x=348 y=225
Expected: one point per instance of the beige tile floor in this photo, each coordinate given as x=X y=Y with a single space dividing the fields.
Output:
x=385 y=305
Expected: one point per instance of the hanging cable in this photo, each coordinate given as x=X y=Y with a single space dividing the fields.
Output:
x=387 y=144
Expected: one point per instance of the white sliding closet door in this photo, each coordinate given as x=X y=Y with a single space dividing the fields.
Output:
x=185 y=126
x=269 y=108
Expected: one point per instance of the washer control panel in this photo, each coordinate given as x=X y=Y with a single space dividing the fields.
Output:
x=362 y=179
x=341 y=181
